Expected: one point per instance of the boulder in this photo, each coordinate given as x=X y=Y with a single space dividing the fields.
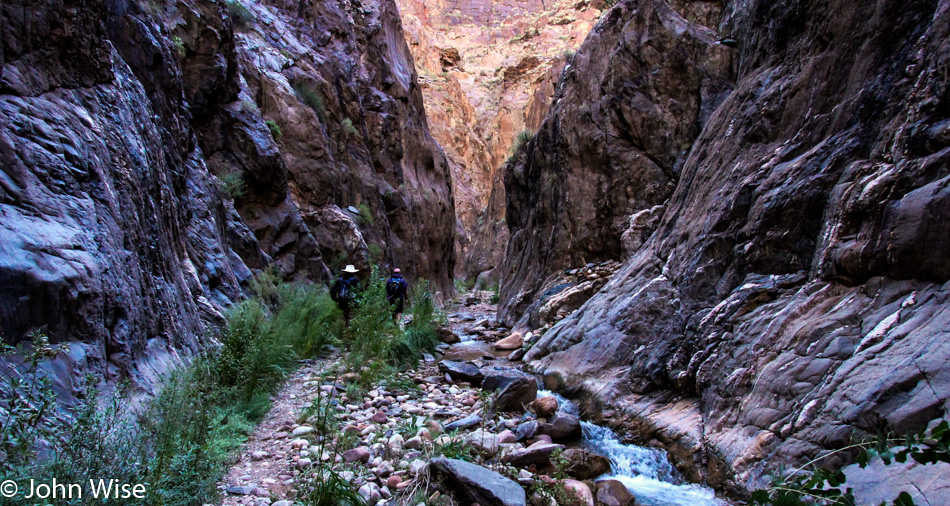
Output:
x=484 y=442
x=461 y=371
x=496 y=377
x=538 y=453
x=526 y=430
x=613 y=493
x=517 y=355
x=562 y=427
x=517 y=394
x=448 y=336
x=472 y=483
x=583 y=464
x=303 y=430
x=506 y=436
x=578 y=492
x=512 y=342
x=544 y=407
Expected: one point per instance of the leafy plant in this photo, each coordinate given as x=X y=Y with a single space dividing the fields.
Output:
x=179 y=46
x=26 y=400
x=455 y=447
x=487 y=399
x=378 y=346
x=275 y=130
x=407 y=428
x=809 y=484
x=329 y=488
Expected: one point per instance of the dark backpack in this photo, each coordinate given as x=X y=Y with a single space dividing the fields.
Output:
x=345 y=290
x=395 y=287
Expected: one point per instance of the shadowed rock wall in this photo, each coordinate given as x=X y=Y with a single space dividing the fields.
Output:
x=791 y=292
x=123 y=123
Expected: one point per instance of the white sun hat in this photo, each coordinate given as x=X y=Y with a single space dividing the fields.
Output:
x=350 y=268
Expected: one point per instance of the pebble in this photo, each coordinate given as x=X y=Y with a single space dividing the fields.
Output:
x=417 y=466
x=360 y=454
x=302 y=430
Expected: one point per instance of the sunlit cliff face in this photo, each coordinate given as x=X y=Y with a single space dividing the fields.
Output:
x=487 y=71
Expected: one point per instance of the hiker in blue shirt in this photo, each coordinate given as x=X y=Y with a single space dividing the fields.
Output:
x=396 y=292
x=344 y=291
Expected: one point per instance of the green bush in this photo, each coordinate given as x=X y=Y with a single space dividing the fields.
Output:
x=26 y=402
x=329 y=488
x=366 y=215
x=377 y=345
x=495 y=294
x=348 y=127
x=179 y=46
x=275 y=130
x=312 y=98
x=265 y=335
x=522 y=139
x=455 y=447
x=232 y=184
x=180 y=442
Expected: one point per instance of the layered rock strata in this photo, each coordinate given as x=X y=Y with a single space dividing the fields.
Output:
x=787 y=291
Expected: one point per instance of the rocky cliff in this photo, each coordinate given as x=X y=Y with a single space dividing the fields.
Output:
x=774 y=177
x=156 y=154
x=488 y=71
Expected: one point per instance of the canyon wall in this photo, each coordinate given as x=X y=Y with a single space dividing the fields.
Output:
x=487 y=72
x=157 y=154
x=773 y=175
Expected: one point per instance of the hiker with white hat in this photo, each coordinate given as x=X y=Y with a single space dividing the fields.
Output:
x=344 y=291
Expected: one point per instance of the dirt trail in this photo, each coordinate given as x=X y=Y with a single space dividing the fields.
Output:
x=272 y=460
x=267 y=466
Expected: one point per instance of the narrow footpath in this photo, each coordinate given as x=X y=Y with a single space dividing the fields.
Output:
x=276 y=455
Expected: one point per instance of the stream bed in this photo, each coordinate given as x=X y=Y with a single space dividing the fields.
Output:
x=646 y=472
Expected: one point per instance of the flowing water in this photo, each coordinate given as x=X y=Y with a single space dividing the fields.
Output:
x=646 y=472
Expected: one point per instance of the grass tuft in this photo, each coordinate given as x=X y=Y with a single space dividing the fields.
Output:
x=312 y=98
x=275 y=130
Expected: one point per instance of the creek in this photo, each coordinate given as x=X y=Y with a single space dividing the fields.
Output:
x=646 y=472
